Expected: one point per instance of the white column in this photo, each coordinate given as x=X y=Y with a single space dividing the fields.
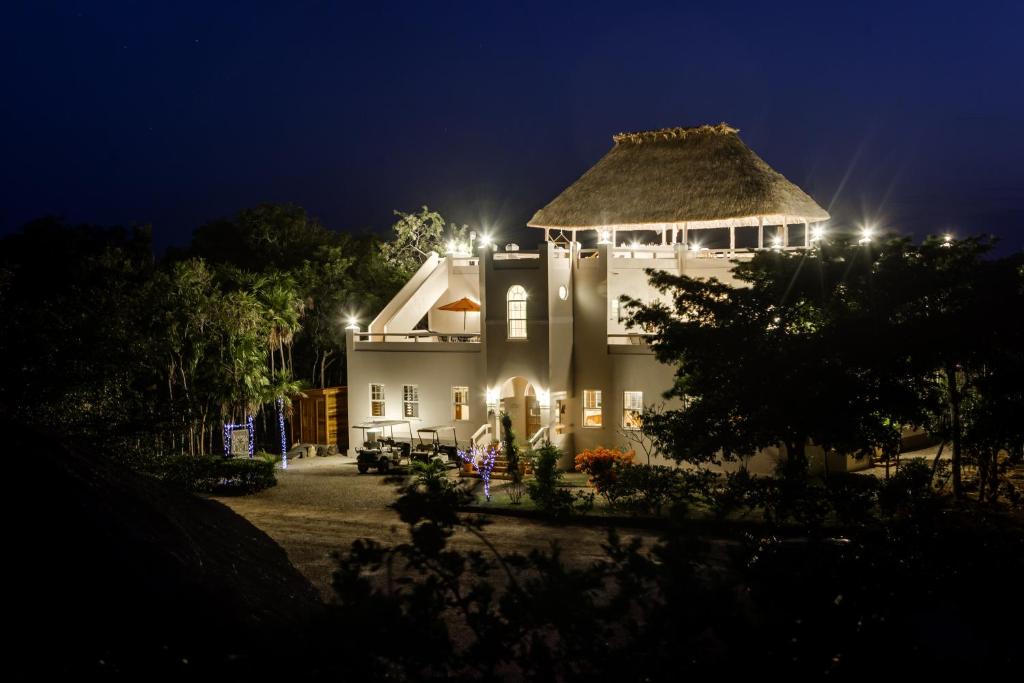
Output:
x=807 y=234
x=785 y=232
x=732 y=238
x=760 y=232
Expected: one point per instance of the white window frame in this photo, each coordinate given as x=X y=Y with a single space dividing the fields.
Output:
x=460 y=409
x=410 y=400
x=592 y=406
x=636 y=405
x=375 y=399
x=515 y=313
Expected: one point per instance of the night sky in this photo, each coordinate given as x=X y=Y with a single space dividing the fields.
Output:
x=175 y=113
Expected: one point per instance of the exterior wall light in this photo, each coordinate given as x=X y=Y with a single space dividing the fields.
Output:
x=492 y=398
x=544 y=398
x=867 y=233
x=817 y=234
x=353 y=324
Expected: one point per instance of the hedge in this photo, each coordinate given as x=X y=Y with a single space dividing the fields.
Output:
x=221 y=476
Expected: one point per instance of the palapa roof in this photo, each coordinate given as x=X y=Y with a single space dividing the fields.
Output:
x=703 y=176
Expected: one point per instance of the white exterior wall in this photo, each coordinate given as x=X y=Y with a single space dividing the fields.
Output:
x=567 y=350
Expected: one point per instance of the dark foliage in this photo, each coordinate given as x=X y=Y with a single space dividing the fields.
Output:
x=801 y=604
x=546 y=489
x=217 y=475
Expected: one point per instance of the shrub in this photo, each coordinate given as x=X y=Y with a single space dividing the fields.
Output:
x=740 y=491
x=546 y=489
x=909 y=490
x=645 y=489
x=602 y=465
x=222 y=476
x=852 y=497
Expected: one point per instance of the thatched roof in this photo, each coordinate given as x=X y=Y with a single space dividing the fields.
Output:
x=703 y=176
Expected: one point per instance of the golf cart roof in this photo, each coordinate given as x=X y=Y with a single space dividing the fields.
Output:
x=380 y=423
x=435 y=428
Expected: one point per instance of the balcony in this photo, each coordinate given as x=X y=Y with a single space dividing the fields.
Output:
x=416 y=340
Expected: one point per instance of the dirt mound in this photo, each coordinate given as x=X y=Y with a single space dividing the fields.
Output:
x=116 y=572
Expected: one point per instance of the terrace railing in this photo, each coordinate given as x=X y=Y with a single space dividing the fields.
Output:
x=419 y=336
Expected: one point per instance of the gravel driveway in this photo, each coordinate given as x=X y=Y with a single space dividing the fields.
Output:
x=321 y=505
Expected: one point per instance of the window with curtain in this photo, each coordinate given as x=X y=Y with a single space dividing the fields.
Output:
x=376 y=400
x=460 y=403
x=410 y=400
x=592 y=408
x=632 y=409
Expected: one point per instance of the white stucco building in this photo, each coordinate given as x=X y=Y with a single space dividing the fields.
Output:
x=548 y=344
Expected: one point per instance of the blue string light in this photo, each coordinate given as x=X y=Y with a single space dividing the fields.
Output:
x=284 y=440
x=229 y=428
x=482 y=462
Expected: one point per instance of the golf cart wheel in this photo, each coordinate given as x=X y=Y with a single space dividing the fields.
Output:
x=383 y=465
x=363 y=468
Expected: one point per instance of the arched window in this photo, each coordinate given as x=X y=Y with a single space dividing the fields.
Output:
x=516 y=312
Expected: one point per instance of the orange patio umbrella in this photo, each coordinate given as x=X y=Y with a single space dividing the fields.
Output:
x=465 y=305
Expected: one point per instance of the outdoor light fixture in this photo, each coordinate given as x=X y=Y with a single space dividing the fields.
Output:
x=635 y=245
x=606 y=237
x=777 y=242
x=695 y=246
x=817 y=234
x=866 y=234
x=492 y=398
x=353 y=324
x=486 y=241
x=947 y=240
x=544 y=398
x=450 y=246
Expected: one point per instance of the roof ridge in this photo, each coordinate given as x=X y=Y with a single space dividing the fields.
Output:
x=674 y=133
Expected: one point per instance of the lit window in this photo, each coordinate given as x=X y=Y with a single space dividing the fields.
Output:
x=591 y=408
x=516 y=315
x=632 y=409
x=410 y=400
x=376 y=400
x=460 y=403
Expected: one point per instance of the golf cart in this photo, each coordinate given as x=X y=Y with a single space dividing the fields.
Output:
x=430 y=446
x=379 y=449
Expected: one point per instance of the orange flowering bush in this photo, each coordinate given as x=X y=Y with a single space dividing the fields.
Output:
x=602 y=465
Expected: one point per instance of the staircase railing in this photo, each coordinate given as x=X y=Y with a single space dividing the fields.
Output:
x=481 y=437
x=539 y=438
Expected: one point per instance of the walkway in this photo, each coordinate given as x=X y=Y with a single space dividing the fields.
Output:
x=321 y=505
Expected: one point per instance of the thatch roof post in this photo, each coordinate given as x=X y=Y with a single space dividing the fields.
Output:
x=732 y=238
x=807 y=234
x=760 y=232
x=785 y=231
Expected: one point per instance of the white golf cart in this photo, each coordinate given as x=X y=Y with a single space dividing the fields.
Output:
x=380 y=450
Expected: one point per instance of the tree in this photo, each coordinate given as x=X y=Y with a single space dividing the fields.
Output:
x=789 y=357
x=418 y=234
x=958 y=313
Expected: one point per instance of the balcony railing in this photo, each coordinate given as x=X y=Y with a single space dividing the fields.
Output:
x=418 y=337
x=629 y=339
